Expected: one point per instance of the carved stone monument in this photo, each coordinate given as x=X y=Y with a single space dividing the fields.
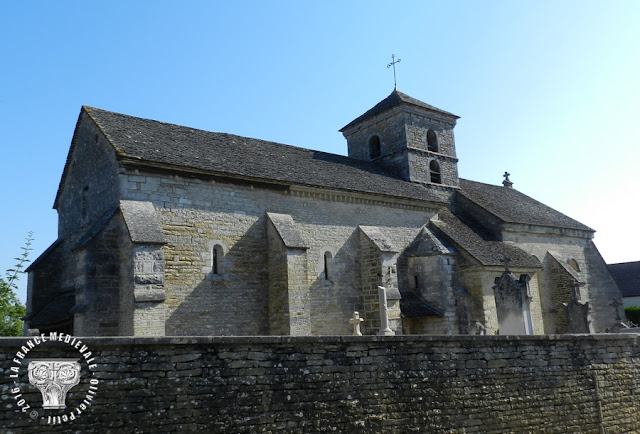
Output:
x=54 y=378
x=512 y=303
x=384 y=313
x=577 y=312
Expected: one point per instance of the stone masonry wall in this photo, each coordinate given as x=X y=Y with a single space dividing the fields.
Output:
x=88 y=194
x=90 y=187
x=288 y=293
x=592 y=269
x=196 y=213
x=279 y=321
x=47 y=278
x=436 y=279
x=403 y=143
x=388 y=126
x=482 y=304
x=98 y=283
x=562 y=293
x=578 y=384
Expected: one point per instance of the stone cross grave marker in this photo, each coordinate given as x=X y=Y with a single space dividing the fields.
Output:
x=355 y=322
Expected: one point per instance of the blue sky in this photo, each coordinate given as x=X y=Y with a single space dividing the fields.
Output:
x=547 y=90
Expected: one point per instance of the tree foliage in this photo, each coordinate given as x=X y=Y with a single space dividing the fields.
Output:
x=633 y=314
x=11 y=310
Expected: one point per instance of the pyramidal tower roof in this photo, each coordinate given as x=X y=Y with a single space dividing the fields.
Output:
x=395 y=98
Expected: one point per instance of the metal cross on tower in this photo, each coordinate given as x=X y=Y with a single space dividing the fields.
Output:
x=393 y=63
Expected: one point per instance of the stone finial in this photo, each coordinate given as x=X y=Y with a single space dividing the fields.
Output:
x=506 y=181
x=355 y=321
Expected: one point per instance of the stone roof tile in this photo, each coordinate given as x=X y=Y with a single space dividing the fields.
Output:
x=142 y=222
x=378 y=238
x=627 y=276
x=427 y=244
x=287 y=230
x=566 y=267
x=412 y=306
x=486 y=251
x=395 y=98
x=58 y=310
x=512 y=206
x=159 y=143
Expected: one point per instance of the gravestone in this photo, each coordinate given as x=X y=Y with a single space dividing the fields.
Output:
x=577 y=312
x=512 y=308
x=384 y=313
x=355 y=321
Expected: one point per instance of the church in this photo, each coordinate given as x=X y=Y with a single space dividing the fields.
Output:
x=166 y=230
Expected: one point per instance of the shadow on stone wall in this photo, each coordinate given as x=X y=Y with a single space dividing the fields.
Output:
x=235 y=302
x=563 y=383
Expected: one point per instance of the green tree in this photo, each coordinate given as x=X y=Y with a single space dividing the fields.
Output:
x=633 y=314
x=11 y=310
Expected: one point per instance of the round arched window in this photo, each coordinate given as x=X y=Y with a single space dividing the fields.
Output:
x=432 y=141
x=434 y=168
x=217 y=254
x=374 y=147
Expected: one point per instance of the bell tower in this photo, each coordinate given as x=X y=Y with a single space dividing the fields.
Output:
x=412 y=138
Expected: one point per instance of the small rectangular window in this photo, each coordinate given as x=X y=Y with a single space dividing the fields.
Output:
x=84 y=203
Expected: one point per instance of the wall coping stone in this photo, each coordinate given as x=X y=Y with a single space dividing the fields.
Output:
x=629 y=338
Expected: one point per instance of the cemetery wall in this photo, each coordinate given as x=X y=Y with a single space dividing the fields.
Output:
x=558 y=383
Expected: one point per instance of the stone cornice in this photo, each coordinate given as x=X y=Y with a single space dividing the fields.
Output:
x=546 y=230
x=432 y=154
x=321 y=193
x=362 y=198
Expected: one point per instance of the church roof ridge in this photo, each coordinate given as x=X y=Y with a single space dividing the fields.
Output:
x=155 y=142
x=395 y=98
x=513 y=206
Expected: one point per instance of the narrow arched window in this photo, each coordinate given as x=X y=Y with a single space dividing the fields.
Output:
x=327 y=266
x=374 y=147
x=432 y=141
x=216 y=259
x=434 y=168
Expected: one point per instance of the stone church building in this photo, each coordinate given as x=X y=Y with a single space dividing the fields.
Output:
x=169 y=230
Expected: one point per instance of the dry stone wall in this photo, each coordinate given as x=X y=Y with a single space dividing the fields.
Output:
x=461 y=384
